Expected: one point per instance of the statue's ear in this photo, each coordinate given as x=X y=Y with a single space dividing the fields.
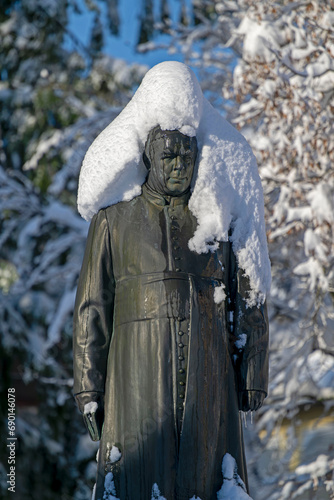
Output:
x=146 y=160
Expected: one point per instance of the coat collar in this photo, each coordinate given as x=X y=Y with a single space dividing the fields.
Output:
x=161 y=201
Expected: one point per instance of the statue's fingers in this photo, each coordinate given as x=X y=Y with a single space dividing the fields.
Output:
x=90 y=420
x=260 y=399
x=96 y=434
x=95 y=429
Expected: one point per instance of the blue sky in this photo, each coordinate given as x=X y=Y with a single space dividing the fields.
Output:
x=123 y=45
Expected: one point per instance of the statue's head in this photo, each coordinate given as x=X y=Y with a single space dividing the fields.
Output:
x=170 y=158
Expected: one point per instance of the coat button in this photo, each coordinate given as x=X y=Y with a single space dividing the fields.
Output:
x=180 y=344
x=181 y=408
x=181 y=383
x=176 y=247
x=177 y=269
x=181 y=358
x=181 y=370
x=180 y=333
x=181 y=395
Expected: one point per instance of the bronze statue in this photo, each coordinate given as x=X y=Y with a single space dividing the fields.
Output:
x=159 y=374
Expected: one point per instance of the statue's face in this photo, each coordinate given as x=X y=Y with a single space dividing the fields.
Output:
x=173 y=157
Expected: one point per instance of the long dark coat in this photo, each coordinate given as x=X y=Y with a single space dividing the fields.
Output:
x=150 y=336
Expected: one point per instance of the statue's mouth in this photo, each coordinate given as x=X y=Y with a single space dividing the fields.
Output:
x=178 y=179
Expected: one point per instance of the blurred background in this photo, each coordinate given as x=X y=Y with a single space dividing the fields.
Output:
x=67 y=68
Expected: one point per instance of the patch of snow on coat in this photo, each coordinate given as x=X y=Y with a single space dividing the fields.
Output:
x=156 y=495
x=114 y=454
x=109 y=488
x=219 y=294
x=241 y=341
x=233 y=486
x=226 y=187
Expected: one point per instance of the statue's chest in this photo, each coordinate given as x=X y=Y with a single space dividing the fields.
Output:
x=151 y=240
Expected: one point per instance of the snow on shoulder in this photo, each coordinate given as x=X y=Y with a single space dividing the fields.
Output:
x=226 y=188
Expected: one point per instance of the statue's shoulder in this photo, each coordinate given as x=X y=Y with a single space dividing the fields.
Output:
x=123 y=209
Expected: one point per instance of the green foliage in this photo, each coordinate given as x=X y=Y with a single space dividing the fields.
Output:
x=43 y=175
x=203 y=10
x=8 y=275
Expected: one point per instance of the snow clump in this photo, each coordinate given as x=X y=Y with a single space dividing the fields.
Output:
x=156 y=495
x=114 y=454
x=233 y=486
x=90 y=407
x=109 y=488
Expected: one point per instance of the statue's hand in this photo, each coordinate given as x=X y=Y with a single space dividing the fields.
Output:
x=93 y=418
x=92 y=408
x=251 y=400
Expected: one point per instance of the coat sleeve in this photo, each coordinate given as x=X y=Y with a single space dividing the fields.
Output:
x=93 y=312
x=250 y=335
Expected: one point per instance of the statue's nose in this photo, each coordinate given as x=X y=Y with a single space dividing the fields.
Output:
x=178 y=163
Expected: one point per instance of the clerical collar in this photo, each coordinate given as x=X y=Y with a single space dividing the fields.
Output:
x=163 y=200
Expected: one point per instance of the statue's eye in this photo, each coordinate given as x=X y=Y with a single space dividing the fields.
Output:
x=186 y=158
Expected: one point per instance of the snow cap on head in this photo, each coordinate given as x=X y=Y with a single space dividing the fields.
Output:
x=226 y=188
x=173 y=99
x=113 y=170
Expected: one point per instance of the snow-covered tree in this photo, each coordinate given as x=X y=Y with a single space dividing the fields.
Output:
x=273 y=64
x=56 y=96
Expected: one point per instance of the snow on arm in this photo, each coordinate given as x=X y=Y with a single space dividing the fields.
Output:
x=90 y=407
